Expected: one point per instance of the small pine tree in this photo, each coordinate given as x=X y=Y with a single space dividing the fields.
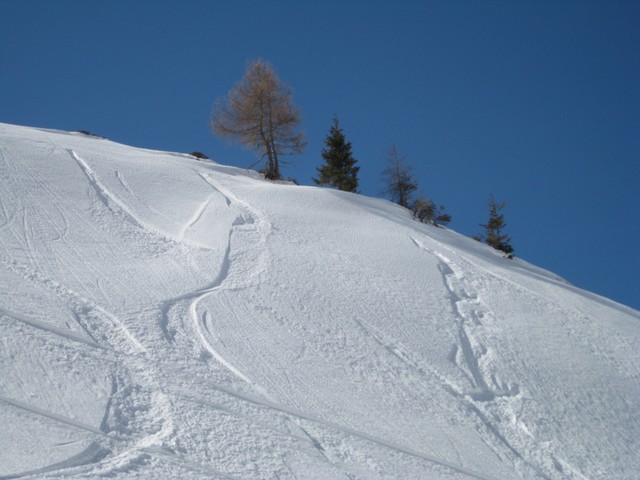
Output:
x=398 y=179
x=442 y=218
x=339 y=170
x=199 y=155
x=494 y=236
x=426 y=211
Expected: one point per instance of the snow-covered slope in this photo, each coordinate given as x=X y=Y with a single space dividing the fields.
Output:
x=164 y=317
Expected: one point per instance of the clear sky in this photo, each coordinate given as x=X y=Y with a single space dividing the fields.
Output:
x=536 y=102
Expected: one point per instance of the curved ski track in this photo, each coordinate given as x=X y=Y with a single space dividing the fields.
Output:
x=250 y=230
x=133 y=367
x=138 y=421
x=123 y=441
x=117 y=205
x=489 y=395
x=238 y=270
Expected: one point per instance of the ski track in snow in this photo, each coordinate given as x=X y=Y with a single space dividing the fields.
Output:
x=68 y=334
x=92 y=454
x=473 y=358
x=469 y=353
x=51 y=415
x=259 y=227
x=256 y=235
x=118 y=206
x=105 y=331
x=108 y=325
x=166 y=370
x=196 y=216
x=297 y=414
x=122 y=180
x=247 y=216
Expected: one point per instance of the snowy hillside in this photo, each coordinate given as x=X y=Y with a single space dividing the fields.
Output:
x=164 y=317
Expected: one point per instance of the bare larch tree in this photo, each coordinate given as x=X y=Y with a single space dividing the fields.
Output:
x=397 y=178
x=259 y=113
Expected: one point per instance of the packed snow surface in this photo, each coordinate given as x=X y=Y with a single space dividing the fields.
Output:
x=164 y=317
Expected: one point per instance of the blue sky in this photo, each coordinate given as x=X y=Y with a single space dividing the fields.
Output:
x=536 y=102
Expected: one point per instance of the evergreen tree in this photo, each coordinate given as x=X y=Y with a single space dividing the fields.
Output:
x=339 y=170
x=442 y=218
x=426 y=211
x=494 y=236
x=398 y=179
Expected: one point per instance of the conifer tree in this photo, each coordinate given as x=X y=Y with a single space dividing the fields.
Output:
x=426 y=211
x=441 y=218
x=398 y=179
x=494 y=227
x=259 y=113
x=339 y=170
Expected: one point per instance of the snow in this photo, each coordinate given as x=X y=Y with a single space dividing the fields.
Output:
x=164 y=317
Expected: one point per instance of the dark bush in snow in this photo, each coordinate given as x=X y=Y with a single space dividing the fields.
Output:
x=199 y=155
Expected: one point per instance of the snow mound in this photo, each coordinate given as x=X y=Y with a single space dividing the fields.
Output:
x=164 y=317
